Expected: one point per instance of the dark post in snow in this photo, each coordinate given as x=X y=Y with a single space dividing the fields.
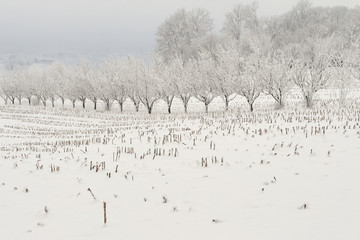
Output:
x=105 y=213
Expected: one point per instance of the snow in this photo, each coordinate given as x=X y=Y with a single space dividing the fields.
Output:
x=257 y=192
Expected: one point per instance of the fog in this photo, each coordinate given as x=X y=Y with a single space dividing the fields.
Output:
x=105 y=27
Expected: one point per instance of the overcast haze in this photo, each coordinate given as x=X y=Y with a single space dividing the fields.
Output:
x=106 y=27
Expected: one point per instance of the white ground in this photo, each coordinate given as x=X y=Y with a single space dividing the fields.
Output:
x=257 y=192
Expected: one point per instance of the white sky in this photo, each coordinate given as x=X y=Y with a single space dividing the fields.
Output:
x=106 y=26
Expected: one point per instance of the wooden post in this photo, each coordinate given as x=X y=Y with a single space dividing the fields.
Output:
x=92 y=194
x=105 y=213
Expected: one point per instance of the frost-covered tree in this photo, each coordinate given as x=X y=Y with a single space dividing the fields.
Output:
x=249 y=82
x=311 y=70
x=177 y=34
x=101 y=89
x=19 y=84
x=181 y=77
x=9 y=87
x=2 y=92
x=55 y=83
x=221 y=70
x=114 y=74
x=239 y=20
x=44 y=82
x=273 y=28
x=301 y=13
x=344 y=83
x=25 y=87
x=3 y=84
x=166 y=80
x=134 y=72
x=353 y=57
x=81 y=87
x=275 y=75
x=202 y=84
x=19 y=78
x=148 y=86
x=62 y=83
x=342 y=77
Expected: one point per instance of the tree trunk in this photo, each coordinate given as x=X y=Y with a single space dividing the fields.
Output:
x=280 y=103
x=44 y=102
x=121 y=104
x=169 y=101
x=149 y=109
x=169 y=108
x=107 y=101
x=19 y=98
x=206 y=106
x=186 y=107
x=53 y=102
x=251 y=104
x=95 y=103
x=13 y=101
x=73 y=103
x=226 y=102
x=185 y=101
x=62 y=101
x=309 y=101
x=136 y=103
x=29 y=100
x=83 y=103
x=281 y=99
x=149 y=106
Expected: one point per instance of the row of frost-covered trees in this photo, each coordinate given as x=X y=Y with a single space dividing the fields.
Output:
x=308 y=47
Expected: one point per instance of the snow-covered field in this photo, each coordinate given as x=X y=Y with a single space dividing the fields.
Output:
x=290 y=174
